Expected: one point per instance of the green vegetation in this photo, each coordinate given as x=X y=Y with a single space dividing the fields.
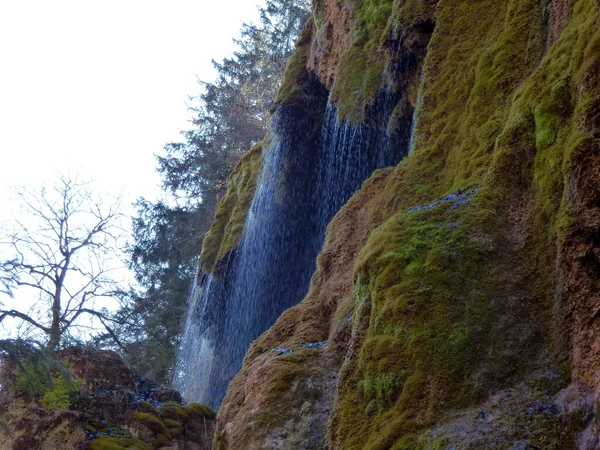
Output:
x=168 y=423
x=230 y=217
x=294 y=90
x=428 y=318
x=151 y=421
x=434 y=285
x=199 y=410
x=289 y=385
x=39 y=375
x=360 y=70
x=58 y=396
x=111 y=443
x=174 y=427
x=175 y=411
x=147 y=407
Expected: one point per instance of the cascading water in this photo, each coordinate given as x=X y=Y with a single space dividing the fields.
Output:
x=305 y=180
x=349 y=154
x=270 y=270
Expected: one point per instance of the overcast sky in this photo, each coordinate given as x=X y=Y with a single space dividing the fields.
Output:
x=98 y=87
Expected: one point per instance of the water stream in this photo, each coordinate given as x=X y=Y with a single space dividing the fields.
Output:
x=305 y=180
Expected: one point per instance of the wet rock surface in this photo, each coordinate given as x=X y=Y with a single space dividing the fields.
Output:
x=287 y=351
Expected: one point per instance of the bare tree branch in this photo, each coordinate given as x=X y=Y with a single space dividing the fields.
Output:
x=19 y=315
x=59 y=250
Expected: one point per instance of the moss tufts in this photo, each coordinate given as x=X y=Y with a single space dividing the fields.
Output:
x=147 y=407
x=199 y=410
x=436 y=288
x=151 y=421
x=360 y=71
x=174 y=427
x=110 y=443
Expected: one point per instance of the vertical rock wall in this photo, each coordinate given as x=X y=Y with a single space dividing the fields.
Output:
x=454 y=304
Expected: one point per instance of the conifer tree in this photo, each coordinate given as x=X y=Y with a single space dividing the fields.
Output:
x=230 y=116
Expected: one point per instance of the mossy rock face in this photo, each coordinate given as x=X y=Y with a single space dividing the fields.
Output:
x=434 y=287
x=454 y=301
x=151 y=421
x=199 y=410
x=437 y=288
x=295 y=90
x=172 y=423
x=176 y=411
x=230 y=217
x=174 y=427
x=146 y=407
x=67 y=412
x=388 y=41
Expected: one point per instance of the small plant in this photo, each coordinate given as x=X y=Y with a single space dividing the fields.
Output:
x=39 y=375
x=58 y=396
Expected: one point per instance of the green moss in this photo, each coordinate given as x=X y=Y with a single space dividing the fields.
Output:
x=295 y=86
x=199 y=410
x=415 y=270
x=423 y=444
x=162 y=440
x=53 y=389
x=173 y=411
x=175 y=427
x=361 y=73
x=146 y=407
x=228 y=226
x=176 y=412
x=291 y=384
x=360 y=70
x=382 y=387
x=110 y=443
x=452 y=303
x=151 y=421
x=58 y=397
x=434 y=286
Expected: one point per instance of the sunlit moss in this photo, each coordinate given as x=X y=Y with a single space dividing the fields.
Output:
x=228 y=226
x=295 y=88
x=499 y=113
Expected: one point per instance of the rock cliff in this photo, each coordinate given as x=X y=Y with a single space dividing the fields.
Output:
x=456 y=299
x=89 y=399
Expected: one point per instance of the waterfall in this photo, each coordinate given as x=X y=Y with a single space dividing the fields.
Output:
x=417 y=109
x=304 y=181
x=348 y=155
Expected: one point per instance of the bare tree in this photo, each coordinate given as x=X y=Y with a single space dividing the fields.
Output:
x=59 y=249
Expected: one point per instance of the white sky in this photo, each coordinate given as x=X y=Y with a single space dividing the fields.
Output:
x=97 y=88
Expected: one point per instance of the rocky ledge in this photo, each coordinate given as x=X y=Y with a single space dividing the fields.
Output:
x=89 y=399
